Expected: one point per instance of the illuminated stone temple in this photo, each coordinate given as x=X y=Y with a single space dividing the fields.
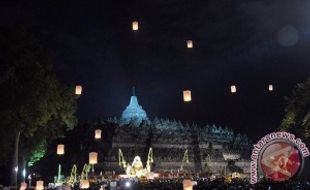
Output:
x=168 y=145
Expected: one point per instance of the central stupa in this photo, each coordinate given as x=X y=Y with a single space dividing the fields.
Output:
x=133 y=113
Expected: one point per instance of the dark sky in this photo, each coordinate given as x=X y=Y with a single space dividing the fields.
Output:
x=244 y=42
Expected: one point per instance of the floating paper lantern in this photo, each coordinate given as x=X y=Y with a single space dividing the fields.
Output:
x=187 y=184
x=78 y=89
x=39 y=185
x=135 y=25
x=189 y=44
x=233 y=89
x=270 y=87
x=23 y=186
x=60 y=149
x=93 y=158
x=84 y=184
x=98 y=134
x=187 y=96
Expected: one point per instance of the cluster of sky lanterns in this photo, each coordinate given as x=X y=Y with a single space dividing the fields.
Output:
x=39 y=185
x=135 y=27
x=60 y=150
x=92 y=160
x=187 y=96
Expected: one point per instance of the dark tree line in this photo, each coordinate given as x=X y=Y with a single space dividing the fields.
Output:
x=297 y=111
x=34 y=107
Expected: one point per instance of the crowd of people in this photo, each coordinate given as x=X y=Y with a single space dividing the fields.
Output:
x=177 y=184
x=207 y=184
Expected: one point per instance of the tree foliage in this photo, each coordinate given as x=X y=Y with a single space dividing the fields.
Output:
x=32 y=101
x=297 y=111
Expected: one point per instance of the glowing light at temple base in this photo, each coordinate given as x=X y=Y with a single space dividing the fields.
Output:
x=136 y=169
x=127 y=184
x=187 y=184
x=39 y=185
x=23 y=186
x=84 y=184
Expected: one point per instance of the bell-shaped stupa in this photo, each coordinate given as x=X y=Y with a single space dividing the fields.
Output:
x=133 y=112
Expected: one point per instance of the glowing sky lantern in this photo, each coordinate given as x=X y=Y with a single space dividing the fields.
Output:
x=93 y=158
x=135 y=25
x=233 y=89
x=60 y=149
x=23 y=186
x=187 y=184
x=39 y=185
x=187 y=96
x=84 y=184
x=78 y=89
x=189 y=44
x=270 y=87
x=98 y=134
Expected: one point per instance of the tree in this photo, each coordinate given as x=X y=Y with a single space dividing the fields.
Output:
x=297 y=111
x=35 y=107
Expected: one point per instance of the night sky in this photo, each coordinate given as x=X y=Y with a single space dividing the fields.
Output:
x=247 y=43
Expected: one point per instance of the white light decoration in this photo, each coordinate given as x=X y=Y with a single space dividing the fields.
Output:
x=39 y=185
x=231 y=156
x=233 y=89
x=270 y=87
x=84 y=184
x=24 y=172
x=187 y=184
x=189 y=44
x=78 y=89
x=235 y=175
x=135 y=25
x=93 y=158
x=23 y=186
x=98 y=134
x=127 y=184
x=187 y=96
x=60 y=149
